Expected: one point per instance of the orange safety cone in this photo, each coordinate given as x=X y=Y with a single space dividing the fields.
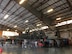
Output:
x=1 y=50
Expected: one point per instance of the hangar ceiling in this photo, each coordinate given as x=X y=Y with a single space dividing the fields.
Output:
x=34 y=12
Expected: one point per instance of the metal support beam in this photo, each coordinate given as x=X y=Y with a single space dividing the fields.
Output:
x=38 y=14
x=6 y=5
x=69 y=3
x=4 y=28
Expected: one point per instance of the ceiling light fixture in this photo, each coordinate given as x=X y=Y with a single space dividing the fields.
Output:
x=64 y=23
x=21 y=1
x=26 y=21
x=6 y=16
x=44 y=27
x=15 y=26
x=50 y=10
x=23 y=32
x=58 y=18
x=38 y=24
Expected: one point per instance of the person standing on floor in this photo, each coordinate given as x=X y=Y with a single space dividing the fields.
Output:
x=36 y=44
x=25 y=43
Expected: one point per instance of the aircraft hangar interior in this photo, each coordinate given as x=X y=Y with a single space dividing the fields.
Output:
x=35 y=26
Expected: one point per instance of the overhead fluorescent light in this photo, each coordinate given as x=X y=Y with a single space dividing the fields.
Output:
x=15 y=26
x=64 y=23
x=23 y=32
x=26 y=21
x=30 y=31
x=58 y=18
x=44 y=27
x=6 y=16
x=21 y=1
x=38 y=24
x=36 y=29
x=60 y=24
x=69 y=21
x=50 y=10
